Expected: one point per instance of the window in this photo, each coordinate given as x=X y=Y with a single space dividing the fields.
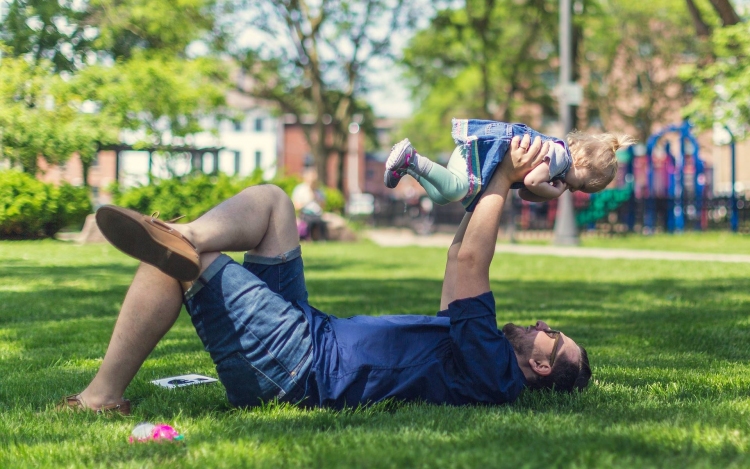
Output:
x=237 y=126
x=257 y=159
x=259 y=125
x=237 y=156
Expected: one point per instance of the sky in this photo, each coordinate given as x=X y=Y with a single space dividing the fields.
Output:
x=391 y=99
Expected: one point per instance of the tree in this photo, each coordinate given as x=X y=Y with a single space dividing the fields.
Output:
x=162 y=98
x=722 y=87
x=71 y=34
x=482 y=60
x=314 y=60
x=28 y=117
x=128 y=26
x=54 y=102
x=47 y=30
x=631 y=53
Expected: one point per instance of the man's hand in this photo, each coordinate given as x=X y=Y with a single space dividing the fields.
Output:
x=523 y=157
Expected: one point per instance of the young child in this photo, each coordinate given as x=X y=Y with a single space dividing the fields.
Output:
x=588 y=164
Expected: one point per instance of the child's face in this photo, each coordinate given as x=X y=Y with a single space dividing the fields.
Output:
x=576 y=180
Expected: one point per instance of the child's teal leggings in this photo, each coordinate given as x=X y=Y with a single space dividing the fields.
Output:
x=446 y=184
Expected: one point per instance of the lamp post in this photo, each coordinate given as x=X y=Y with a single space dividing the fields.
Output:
x=566 y=232
x=734 y=219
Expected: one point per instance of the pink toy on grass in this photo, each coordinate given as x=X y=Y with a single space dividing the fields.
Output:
x=145 y=432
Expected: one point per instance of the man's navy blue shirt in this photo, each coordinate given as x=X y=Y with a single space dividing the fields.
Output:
x=457 y=357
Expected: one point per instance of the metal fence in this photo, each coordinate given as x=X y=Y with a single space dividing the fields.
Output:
x=637 y=215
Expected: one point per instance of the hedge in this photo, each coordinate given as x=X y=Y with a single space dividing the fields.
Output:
x=193 y=195
x=32 y=209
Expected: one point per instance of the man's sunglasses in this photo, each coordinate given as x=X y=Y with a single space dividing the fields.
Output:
x=551 y=333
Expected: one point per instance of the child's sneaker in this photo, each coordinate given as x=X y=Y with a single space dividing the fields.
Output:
x=402 y=155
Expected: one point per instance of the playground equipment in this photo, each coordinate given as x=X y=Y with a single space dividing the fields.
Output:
x=723 y=135
x=674 y=172
x=663 y=175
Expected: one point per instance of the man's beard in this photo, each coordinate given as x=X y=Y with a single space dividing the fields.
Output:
x=515 y=334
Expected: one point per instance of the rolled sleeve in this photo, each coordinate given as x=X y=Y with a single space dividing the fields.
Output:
x=482 y=353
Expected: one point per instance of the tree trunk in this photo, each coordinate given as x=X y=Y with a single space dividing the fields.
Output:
x=318 y=149
x=701 y=28
x=85 y=167
x=726 y=12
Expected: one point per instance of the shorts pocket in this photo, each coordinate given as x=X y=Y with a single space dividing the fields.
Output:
x=247 y=385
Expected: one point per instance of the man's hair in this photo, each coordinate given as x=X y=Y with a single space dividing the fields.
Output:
x=566 y=376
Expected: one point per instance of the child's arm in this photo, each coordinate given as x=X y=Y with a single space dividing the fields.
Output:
x=529 y=196
x=537 y=182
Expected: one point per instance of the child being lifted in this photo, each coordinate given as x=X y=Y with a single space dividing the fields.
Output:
x=585 y=163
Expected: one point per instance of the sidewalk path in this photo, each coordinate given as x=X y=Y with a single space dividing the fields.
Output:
x=404 y=237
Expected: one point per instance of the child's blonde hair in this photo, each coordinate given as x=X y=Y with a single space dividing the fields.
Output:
x=597 y=154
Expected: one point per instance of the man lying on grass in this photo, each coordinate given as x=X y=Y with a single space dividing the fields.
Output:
x=268 y=343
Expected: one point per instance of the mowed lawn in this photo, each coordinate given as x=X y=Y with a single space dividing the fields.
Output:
x=669 y=344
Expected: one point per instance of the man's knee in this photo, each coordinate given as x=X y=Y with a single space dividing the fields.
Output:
x=270 y=192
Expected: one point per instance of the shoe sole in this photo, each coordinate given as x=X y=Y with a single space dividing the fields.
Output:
x=395 y=156
x=132 y=238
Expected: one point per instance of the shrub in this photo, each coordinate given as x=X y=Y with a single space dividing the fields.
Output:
x=175 y=197
x=334 y=200
x=194 y=195
x=190 y=196
x=30 y=208
x=73 y=205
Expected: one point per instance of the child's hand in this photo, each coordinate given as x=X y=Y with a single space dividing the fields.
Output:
x=559 y=186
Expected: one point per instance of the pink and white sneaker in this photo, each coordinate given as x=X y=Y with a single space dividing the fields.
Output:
x=402 y=156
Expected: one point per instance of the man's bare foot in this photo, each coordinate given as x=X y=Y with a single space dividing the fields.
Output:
x=78 y=402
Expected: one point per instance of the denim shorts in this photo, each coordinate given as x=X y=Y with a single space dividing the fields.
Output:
x=249 y=321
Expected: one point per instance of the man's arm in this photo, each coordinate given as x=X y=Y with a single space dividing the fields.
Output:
x=477 y=247
x=451 y=267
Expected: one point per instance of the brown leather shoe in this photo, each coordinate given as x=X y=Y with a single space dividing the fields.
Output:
x=74 y=402
x=150 y=240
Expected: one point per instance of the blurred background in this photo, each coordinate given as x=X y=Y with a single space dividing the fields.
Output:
x=164 y=105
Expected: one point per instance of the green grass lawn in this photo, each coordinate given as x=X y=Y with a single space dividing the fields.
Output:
x=668 y=343
x=716 y=242
x=720 y=242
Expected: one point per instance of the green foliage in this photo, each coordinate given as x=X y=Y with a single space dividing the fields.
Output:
x=190 y=196
x=55 y=31
x=152 y=87
x=69 y=33
x=129 y=26
x=630 y=53
x=73 y=206
x=429 y=129
x=479 y=59
x=29 y=123
x=30 y=208
x=334 y=200
x=287 y=183
x=722 y=87
x=160 y=95
x=41 y=116
x=312 y=60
